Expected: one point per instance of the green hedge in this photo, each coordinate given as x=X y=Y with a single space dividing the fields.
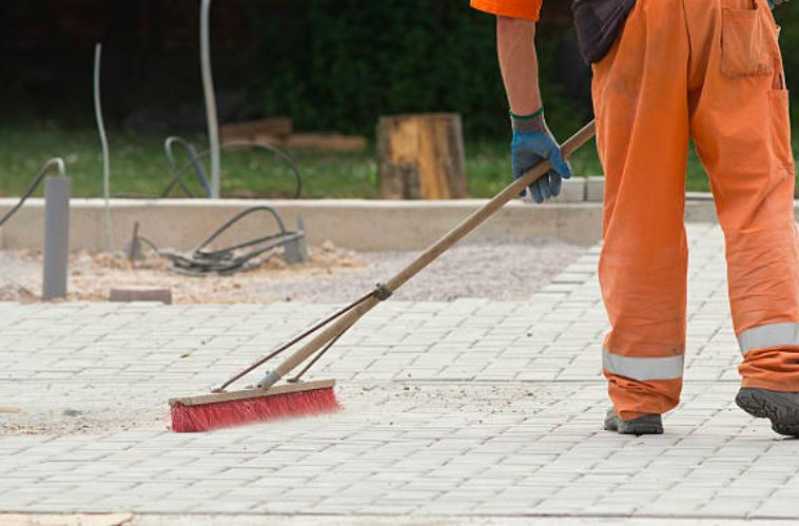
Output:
x=348 y=62
x=339 y=65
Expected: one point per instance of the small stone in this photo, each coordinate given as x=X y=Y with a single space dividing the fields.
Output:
x=72 y=412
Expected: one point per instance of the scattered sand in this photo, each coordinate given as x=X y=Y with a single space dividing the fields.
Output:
x=108 y=410
x=92 y=276
x=499 y=271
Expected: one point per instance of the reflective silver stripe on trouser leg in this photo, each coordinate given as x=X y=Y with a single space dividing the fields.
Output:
x=771 y=335
x=643 y=369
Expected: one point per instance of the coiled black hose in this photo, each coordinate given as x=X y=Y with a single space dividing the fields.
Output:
x=195 y=161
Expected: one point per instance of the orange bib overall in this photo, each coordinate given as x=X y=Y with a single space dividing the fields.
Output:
x=710 y=70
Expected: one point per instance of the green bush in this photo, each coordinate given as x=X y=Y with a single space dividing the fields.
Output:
x=340 y=65
x=351 y=61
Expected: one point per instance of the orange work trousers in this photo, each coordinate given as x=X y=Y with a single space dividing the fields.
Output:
x=709 y=70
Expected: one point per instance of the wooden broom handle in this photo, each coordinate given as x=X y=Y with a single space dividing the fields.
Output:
x=428 y=256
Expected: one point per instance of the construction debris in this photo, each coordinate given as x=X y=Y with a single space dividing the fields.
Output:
x=236 y=257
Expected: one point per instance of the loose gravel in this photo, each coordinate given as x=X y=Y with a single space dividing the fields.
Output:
x=498 y=271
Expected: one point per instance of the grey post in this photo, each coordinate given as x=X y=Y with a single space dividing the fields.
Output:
x=56 y=236
x=296 y=250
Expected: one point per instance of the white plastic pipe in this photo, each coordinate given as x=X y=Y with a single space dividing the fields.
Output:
x=210 y=99
x=98 y=113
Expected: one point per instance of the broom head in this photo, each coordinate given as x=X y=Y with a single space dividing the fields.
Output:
x=235 y=408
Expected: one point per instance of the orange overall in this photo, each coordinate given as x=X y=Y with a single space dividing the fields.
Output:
x=710 y=70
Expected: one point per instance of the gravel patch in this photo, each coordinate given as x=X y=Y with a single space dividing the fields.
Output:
x=498 y=271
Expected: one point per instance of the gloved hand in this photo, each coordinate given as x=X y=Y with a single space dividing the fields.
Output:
x=532 y=143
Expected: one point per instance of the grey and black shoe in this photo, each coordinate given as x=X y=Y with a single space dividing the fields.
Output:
x=643 y=425
x=779 y=407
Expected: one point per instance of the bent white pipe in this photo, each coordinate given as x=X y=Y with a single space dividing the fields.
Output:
x=210 y=99
x=98 y=113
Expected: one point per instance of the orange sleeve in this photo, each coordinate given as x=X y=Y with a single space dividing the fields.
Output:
x=527 y=9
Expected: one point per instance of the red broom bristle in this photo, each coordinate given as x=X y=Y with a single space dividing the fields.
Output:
x=204 y=417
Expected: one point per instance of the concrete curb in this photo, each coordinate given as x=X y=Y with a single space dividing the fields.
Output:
x=366 y=225
x=356 y=224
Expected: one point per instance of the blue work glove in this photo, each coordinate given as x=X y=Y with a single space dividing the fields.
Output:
x=532 y=143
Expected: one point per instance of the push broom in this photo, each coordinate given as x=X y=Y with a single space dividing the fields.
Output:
x=222 y=408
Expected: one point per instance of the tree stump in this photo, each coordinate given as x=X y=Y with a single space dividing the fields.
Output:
x=421 y=157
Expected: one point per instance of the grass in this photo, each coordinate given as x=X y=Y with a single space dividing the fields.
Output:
x=139 y=166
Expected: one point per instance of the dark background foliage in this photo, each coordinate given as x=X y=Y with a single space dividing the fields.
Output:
x=331 y=65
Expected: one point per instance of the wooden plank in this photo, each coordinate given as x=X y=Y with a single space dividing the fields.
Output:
x=333 y=142
x=326 y=141
x=247 y=394
x=250 y=130
x=130 y=294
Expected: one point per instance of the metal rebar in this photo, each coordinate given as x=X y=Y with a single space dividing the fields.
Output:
x=98 y=113
x=210 y=98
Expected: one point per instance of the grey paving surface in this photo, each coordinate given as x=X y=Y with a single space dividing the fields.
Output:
x=471 y=408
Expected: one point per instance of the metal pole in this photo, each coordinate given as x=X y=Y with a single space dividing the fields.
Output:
x=210 y=99
x=98 y=113
x=56 y=236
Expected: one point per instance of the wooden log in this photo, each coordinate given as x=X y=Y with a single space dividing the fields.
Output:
x=249 y=131
x=421 y=157
x=326 y=141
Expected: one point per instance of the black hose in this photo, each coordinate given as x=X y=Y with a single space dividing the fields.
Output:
x=58 y=163
x=226 y=260
x=195 y=157
x=280 y=154
x=194 y=161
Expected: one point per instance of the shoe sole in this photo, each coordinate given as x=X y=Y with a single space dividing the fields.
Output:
x=760 y=403
x=636 y=429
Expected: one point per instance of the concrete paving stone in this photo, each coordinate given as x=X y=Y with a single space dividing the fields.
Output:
x=448 y=445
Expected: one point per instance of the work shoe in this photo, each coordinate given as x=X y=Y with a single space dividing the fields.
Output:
x=779 y=407
x=643 y=425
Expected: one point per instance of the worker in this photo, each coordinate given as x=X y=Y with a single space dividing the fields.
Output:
x=665 y=72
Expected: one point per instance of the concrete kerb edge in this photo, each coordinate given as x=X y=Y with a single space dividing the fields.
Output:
x=364 y=225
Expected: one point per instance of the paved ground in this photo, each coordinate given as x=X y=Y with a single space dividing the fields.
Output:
x=475 y=408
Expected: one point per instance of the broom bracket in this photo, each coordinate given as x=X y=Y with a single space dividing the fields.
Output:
x=382 y=292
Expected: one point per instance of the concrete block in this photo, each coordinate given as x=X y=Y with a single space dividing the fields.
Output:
x=572 y=191
x=595 y=189
x=700 y=211
x=141 y=294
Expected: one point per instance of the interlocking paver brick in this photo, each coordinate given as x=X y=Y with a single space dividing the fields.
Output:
x=466 y=408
